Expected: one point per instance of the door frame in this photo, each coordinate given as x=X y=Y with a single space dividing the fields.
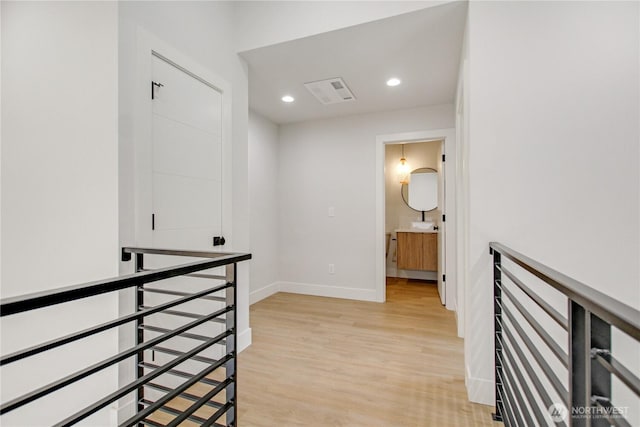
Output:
x=148 y=46
x=448 y=138
x=462 y=202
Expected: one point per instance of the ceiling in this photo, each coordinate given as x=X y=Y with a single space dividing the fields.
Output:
x=421 y=48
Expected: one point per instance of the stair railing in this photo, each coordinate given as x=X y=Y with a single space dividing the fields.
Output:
x=157 y=386
x=530 y=363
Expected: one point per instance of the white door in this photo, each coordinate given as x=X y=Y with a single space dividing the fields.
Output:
x=186 y=196
x=442 y=287
x=186 y=165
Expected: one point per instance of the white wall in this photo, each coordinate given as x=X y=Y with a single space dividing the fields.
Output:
x=59 y=189
x=264 y=197
x=331 y=164
x=0 y=152
x=263 y=23
x=553 y=150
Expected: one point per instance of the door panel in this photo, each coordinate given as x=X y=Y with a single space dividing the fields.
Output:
x=186 y=169
x=186 y=99
x=430 y=251
x=181 y=202
x=442 y=229
x=184 y=150
x=184 y=239
x=409 y=251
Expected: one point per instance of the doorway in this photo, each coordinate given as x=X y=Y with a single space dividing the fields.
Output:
x=446 y=226
x=414 y=202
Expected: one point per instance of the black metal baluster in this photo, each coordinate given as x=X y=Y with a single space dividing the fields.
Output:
x=579 y=365
x=231 y=365
x=600 y=376
x=139 y=301
x=497 y=314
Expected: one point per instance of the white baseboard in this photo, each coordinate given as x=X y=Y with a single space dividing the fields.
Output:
x=312 y=289
x=459 y=326
x=328 y=291
x=244 y=339
x=480 y=390
x=264 y=292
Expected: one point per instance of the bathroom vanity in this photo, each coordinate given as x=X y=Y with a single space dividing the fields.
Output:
x=417 y=249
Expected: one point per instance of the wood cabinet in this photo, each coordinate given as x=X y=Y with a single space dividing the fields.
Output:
x=417 y=251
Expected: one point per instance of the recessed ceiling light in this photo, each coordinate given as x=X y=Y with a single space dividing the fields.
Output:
x=393 y=82
x=288 y=98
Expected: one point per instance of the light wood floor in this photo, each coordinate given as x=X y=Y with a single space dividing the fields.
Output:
x=329 y=362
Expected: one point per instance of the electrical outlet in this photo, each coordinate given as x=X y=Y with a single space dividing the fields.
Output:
x=332 y=269
x=332 y=211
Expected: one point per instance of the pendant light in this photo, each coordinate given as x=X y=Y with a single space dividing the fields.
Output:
x=403 y=169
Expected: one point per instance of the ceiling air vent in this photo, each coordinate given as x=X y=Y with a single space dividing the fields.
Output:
x=330 y=91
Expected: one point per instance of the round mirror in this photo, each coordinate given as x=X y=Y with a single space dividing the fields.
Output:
x=421 y=194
